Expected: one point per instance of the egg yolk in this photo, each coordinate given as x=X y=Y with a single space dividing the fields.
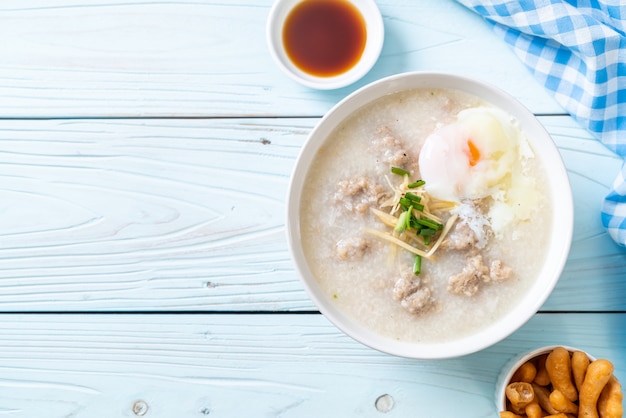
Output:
x=474 y=153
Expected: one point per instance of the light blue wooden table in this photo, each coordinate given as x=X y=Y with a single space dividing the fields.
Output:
x=145 y=151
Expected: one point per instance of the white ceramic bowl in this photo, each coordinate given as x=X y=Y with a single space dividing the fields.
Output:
x=512 y=365
x=375 y=34
x=561 y=228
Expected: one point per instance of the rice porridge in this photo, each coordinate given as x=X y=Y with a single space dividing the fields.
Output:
x=423 y=215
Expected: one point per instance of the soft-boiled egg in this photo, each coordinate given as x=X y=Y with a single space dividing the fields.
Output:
x=467 y=158
x=476 y=156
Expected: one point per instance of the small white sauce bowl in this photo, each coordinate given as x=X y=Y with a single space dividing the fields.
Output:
x=557 y=249
x=375 y=34
x=512 y=365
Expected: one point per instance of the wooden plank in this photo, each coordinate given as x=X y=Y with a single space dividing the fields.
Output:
x=173 y=214
x=207 y=58
x=255 y=365
x=595 y=262
x=189 y=215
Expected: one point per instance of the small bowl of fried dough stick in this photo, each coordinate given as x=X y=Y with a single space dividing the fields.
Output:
x=559 y=382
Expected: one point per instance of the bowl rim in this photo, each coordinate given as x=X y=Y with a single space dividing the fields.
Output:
x=375 y=35
x=516 y=361
x=558 y=249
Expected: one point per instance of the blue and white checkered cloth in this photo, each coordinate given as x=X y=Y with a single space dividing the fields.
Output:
x=577 y=50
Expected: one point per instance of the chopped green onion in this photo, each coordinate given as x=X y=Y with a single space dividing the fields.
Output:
x=399 y=171
x=404 y=220
x=406 y=203
x=416 y=184
x=427 y=240
x=413 y=200
x=417 y=227
x=417 y=265
x=413 y=197
x=431 y=224
x=407 y=222
x=427 y=232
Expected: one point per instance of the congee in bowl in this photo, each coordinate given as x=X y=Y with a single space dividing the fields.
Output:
x=429 y=215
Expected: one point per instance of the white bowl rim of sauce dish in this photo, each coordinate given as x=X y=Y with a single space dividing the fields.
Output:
x=375 y=34
x=560 y=234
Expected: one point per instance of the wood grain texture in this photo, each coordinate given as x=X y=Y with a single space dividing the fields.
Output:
x=204 y=58
x=277 y=365
x=145 y=154
x=189 y=215
x=129 y=214
x=596 y=265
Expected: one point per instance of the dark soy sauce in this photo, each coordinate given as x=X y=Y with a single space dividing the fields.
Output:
x=324 y=37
